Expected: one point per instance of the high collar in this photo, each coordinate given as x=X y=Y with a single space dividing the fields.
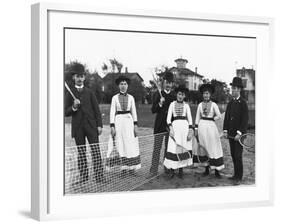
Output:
x=179 y=101
x=206 y=101
x=79 y=87
x=123 y=93
x=236 y=99
x=166 y=91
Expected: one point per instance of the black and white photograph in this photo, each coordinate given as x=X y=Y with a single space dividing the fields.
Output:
x=150 y=111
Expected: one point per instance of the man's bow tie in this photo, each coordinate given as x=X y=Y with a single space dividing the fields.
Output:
x=123 y=94
x=80 y=89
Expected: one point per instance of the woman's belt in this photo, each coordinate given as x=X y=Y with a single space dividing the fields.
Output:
x=123 y=112
x=179 y=118
x=208 y=118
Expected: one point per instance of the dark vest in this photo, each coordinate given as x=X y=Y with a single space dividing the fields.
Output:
x=236 y=117
x=160 y=124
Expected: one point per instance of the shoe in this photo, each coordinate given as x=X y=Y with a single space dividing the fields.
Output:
x=237 y=182
x=171 y=174
x=232 y=178
x=207 y=172
x=217 y=174
x=180 y=175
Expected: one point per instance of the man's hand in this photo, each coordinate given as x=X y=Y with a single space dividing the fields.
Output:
x=190 y=134
x=162 y=100
x=76 y=103
x=237 y=137
x=225 y=135
x=172 y=133
x=99 y=130
x=135 y=130
x=113 y=132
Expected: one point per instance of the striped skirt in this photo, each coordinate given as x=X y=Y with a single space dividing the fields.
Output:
x=171 y=161
x=209 y=138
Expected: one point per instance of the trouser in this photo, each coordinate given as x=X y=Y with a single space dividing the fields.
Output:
x=80 y=139
x=158 y=140
x=236 y=151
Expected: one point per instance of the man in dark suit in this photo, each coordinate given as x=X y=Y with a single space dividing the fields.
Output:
x=235 y=124
x=160 y=106
x=86 y=123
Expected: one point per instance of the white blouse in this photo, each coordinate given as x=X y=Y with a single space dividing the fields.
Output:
x=213 y=113
x=173 y=113
x=116 y=106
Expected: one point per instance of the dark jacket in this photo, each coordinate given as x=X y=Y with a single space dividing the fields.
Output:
x=87 y=113
x=236 y=117
x=160 y=124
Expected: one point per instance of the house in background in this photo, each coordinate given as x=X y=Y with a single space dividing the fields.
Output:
x=136 y=87
x=248 y=78
x=184 y=75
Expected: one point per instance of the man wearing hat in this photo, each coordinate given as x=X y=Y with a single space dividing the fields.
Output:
x=160 y=106
x=86 y=123
x=235 y=124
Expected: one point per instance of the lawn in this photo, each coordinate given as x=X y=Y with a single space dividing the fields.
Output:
x=142 y=181
x=146 y=118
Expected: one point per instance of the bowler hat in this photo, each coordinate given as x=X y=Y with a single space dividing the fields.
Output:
x=237 y=82
x=77 y=68
x=122 y=78
x=181 y=88
x=168 y=76
x=207 y=87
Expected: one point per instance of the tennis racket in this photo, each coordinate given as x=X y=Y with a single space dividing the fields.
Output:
x=247 y=141
x=201 y=150
x=157 y=85
x=69 y=90
x=113 y=156
x=180 y=150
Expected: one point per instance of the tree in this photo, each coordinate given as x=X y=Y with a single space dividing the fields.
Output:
x=220 y=95
x=116 y=66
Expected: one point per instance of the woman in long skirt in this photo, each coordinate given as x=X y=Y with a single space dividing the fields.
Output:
x=123 y=123
x=207 y=131
x=179 y=120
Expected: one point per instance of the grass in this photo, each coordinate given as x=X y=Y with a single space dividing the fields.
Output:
x=192 y=177
x=146 y=118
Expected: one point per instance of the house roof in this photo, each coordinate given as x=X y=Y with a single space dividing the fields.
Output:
x=186 y=71
x=251 y=72
x=128 y=74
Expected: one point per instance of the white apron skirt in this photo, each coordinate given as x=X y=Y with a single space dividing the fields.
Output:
x=181 y=128
x=126 y=142
x=209 y=138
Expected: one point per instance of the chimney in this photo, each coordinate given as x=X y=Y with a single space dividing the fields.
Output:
x=196 y=70
x=126 y=70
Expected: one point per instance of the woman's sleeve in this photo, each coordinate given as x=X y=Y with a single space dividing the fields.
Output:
x=217 y=114
x=170 y=113
x=189 y=116
x=134 y=111
x=198 y=116
x=112 y=112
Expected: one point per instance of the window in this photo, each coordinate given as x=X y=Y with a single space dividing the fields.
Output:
x=244 y=81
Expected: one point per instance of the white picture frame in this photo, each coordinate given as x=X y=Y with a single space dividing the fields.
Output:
x=47 y=199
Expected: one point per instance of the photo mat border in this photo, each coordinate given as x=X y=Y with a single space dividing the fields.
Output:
x=40 y=194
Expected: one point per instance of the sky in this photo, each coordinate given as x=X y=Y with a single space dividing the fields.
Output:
x=215 y=57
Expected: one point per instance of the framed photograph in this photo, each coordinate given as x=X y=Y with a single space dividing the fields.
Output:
x=137 y=111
